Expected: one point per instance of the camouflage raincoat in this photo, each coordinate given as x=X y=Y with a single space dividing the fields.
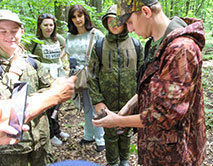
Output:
x=112 y=80
x=38 y=135
x=171 y=103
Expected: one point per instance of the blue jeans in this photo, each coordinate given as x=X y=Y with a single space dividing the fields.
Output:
x=90 y=131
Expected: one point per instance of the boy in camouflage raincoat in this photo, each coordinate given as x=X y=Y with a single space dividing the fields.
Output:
x=171 y=121
x=112 y=82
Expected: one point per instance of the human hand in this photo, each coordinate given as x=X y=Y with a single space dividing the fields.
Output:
x=64 y=88
x=16 y=67
x=5 y=129
x=109 y=121
x=61 y=90
x=123 y=112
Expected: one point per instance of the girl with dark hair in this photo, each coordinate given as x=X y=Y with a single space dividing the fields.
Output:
x=53 y=44
x=77 y=41
x=49 y=54
x=73 y=29
x=41 y=34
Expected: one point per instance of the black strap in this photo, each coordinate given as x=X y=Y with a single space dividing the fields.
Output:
x=98 y=50
x=1 y=71
x=142 y=68
x=137 y=45
x=32 y=62
x=33 y=50
x=147 y=46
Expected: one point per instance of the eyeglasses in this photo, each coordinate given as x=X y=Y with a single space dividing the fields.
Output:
x=45 y=15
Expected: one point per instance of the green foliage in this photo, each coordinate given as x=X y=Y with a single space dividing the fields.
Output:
x=29 y=10
x=81 y=124
x=209 y=118
x=207 y=82
x=207 y=79
x=208 y=49
x=133 y=149
x=68 y=125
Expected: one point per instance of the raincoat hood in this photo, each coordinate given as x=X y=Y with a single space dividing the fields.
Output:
x=111 y=12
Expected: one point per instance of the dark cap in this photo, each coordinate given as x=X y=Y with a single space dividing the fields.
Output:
x=127 y=7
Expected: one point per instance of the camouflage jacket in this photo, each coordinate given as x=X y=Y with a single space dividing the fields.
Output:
x=113 y=80
x=171 y=101
x=38 y=135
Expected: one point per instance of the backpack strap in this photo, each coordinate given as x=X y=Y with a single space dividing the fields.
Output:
x=98 y=50
x=33 y=50
x=90 y=44
x=1 y=71
x=147 y=46
x=32 y=62
x=137 y=45
x=142 y=68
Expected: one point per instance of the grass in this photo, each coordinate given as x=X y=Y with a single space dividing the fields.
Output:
x=208 y=49
x=207 y=80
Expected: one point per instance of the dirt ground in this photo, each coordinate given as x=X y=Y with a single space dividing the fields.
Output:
x=72 y=122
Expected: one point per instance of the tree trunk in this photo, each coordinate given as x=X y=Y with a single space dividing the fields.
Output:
x=187 y=7
x=199 y=8
x=60 y=14
x=97 y=4
x=166 y=8
x=171 y=8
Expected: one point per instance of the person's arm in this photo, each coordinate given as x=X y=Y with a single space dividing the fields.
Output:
x=114 y=120
x=172 y=87
x=61 y=90
x=62 y=53
x=61 y=40
x=129 y=106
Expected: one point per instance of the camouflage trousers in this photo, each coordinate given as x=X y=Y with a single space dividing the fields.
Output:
x=117 y=146
x=35 y=158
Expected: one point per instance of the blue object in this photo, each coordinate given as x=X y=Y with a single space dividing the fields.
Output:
x=74 y=163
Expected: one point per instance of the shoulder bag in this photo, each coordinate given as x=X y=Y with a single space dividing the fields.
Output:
x=81 y=82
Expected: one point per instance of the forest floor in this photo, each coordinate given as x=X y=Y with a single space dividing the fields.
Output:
x=72 y=122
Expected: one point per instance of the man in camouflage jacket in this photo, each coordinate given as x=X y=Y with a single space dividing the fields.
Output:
x=171 y=121
x=35 y=148
x=112 y=82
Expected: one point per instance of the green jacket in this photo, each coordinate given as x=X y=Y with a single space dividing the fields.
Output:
x=113 y=80
x=38 y=135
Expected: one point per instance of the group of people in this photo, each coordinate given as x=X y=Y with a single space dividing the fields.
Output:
x=157 y=89
x=44 y=92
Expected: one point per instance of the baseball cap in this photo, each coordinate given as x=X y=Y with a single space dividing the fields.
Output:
x=8 y=15
x=126 y=7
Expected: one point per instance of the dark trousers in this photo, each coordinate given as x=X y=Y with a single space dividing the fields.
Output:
x=54 y=125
